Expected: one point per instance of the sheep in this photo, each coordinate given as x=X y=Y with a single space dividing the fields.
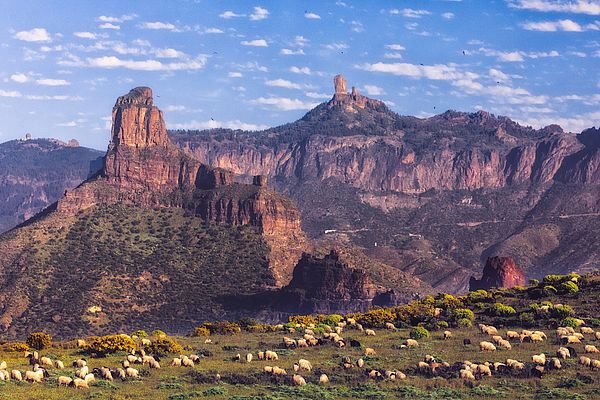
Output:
x=64 y=380
x=186 y=362
x=155 y=364
x=447 y=335
x=132 y=372
x=486 y=346
x=147 y=360
x=483 y=370
x=586 y=330
x=563 y=353
x=369 y=332
x=541 y=334
x=131 y=358
x=305 y=364
x=81 y=343
x=496 y=339
x=390 y=326
x=3 y=365
x=570 y=339
x=79 y=383
x=45 y=361
x=360 y=363
x=467 y=375
x=539 y=358
x=4 y=375
x=34 y=376
x=374 y=374
x=370 y=352
x=594 y=364
x=175 y=363
x=271 y=355
x=411 y=343
x=146 y=342
x=268 y=369
x=279 y=371
x=505 y=344
x=260 y=355
x=554 y=363
x=59 y=364
x=120 y=373
x=249 y=357
x=350 y=321
x=429 y=358
x=512 y=335
x=579 y=336
x=585 y=361
x=80 y=363
x=16 y=375
x=106 y=374
x=89 y=378
x=82 y=372
x=490 y=330
x=298 y=380
x=301 y=343
x=597 y=334
x=323 y=379
x=590 y=348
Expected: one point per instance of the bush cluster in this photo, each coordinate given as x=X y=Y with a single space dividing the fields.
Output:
x=110 y=344
x=501 y=310
x=418 y=332
x=165 y=344
x=220 y=328
x=39 y=340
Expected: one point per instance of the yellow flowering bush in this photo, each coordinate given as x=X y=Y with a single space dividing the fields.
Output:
x=111 y=344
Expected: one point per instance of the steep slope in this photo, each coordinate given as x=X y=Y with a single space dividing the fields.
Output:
x=34 y=173
x=434 y=197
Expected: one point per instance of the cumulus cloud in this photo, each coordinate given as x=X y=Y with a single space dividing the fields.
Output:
x=311 y=15
x=68 y=124
x=168 y=53
x=255 y=43
x=212 y=124
x=230 y=14
x=111 y=62
x=52 y=82
x=34 y=35
x=394 y=55
x=409 y=12
x=290 y=52
x=19 y=78
x=590 y=7
x=514 y=56
x=85 y=35
x=300 y=70
x=394 y=46
x=259 y=13
x=284 y=103
x=315 y=95
x=565 y=25
x=122 y=18
x=448 y=15
x=336 y=46
x=373 y=90
x=158 y=25
x=235 y=75
x=11 y=93
x=212 y=30
x=435 y=72
x=283 y=83
x=108 y=25
x=498 y=75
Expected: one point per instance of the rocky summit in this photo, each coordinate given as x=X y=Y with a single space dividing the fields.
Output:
x=499 y=272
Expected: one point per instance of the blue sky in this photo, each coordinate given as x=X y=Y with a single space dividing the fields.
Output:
x=250 y=65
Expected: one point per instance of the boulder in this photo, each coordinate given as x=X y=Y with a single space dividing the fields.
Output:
x=499 y=272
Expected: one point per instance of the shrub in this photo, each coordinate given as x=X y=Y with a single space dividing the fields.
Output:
x=201 y=331
x=331 y=319
x=441 y=325
x=414 y=312
x=19 y=347
x=140 y=333
x=502 y=310
x=534 y=282
x=464 y=323
x=39 y=340
x=418 y=332
x=563 y=311
x=165 y=344
x=261 y=328
x=158 y=333
x=110 y=344
x=375 y=318
x=478 y=295
x=221 y=327
x=304 y=320
x=463 y=313
x=246 y=322
x=447 y=301
x=527 y=319
x=550 y=290
x=553 y=279
x=570 y=321
x=569 y=287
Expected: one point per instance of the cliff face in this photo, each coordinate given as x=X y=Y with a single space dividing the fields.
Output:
x=499 y=272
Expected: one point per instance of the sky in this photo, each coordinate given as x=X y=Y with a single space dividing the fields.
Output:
x=256 y=64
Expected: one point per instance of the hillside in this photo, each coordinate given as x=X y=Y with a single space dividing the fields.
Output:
x=35 y=173
x=432 y=196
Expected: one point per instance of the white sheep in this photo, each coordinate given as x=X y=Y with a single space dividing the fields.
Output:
x=79 y=383
x=390 y=326
x=46 y=361
x=271 y=355
x=411 y=343
x=323 y=379
x=447 y=335
x=248 y=357
x=305 y=364
x=298 y=380
x=539 y=358
x=370 y=352
x=59 y=364
x=486 y=346
x=64 y=380
x=34 y=376
x=369 y=332
x=132 y=372
x=16 y=375
x=176 y=362
x=590 y=348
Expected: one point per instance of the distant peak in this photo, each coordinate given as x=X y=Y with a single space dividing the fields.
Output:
x=339 y=84
x=139 y=96
x=353 y=101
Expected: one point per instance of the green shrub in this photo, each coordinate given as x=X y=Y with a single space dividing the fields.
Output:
x=550 y=290
x=418 y=332
x=464 y=323
x=568 y=287
x=414 y=313
x=501 y=310
x=478 y=295
x=563 y=311
x=39 y=340
x=201 y=331
x=527 y=319
x=110 y=344
x=165 y=344
x=441 y=325
x=570 y=321
x=140 y=333
x=158 y=333
x=331 y=319
x=463 y=313
x=447 y=301
x=553 y=279
x=221 y=327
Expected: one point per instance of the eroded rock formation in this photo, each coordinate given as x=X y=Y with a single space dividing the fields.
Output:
x=499 y=272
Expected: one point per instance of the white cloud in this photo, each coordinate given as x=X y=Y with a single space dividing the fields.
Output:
x=373 y=90
x=448 y=15
x=158 y=25
x=537 y=110
x=12 y=93
x=543 y=54
x=590 y=7
x=145 y=65
x=336 y=46
x=498 y=75
x=255 y=43
x=512 y=56
x=357 y=26
x=212 y=124
x=108 y=25
x=395 y=46
x=235 y=75
x=57 y=97
x=122 y=18
x=230 y=14
x=34 y=35
x=175 y=108
x=289 y=52
x=284 y=103
x=300 y=70
x=409 y=12
x=259 y=14
x=68 y=124
x=85 y=35
x=580 y=54
x=315 y=95
x=311 y=15
x=435 y=72
x=212 y=30
x=283 y=83
x=168 y=53
x=300 y=41
x=19 y=78
x=552 y=26
x=52 y=82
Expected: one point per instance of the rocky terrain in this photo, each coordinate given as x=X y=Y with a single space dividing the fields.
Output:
x=435 y=196
x=34 y=173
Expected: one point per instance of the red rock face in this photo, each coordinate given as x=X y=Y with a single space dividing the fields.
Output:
x=499 y=272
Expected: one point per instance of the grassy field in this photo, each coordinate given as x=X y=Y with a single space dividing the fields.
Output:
x=241 y=380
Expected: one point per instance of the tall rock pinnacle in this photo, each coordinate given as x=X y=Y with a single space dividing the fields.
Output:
x=339 y=82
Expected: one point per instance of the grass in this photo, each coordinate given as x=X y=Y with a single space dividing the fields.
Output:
x=246 y=380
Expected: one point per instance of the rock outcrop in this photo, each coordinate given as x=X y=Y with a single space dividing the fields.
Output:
x=499 y=272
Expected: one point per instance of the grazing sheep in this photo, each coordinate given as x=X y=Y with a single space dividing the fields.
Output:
x=301 y=343
x=279 y=371
x=82 y=372
x=120 y=373
x=186 y=362
x=106 y=374
x=496 y=339
x=146 y=342
x=155 y=364
x=80 y=363
x=351 y=321
x=390 y=326
x=131 y=358
x=298 y=380
x=571 y=339
x=360 y=363
x=537 y=338
x=132 y=372
x=411 y=343
x=4 y=375
x=597 y=334
x=59 y=364
x=590 y=348
x=16 y=375
x=268 y=369
x=512 y=335
x=447 y=335
x=323 y=379
x=369 y=332
x=305 y=364
x=194 y=357
x=594 y=364
x=34 y=376
x=429 y=358
x=483 y=370
x=467 y=375
x=486 y=346
x=423 y=367
x=296 y=367
x=249 y=357
x=505 y=344
x=563 y=353
x=271 y=355
x=585 y=361
x=554 y=363
x=64 y=380
x=147 y=360
x=374 y=374
x=79 y=383
x=89 y=378
x=490 y=330
x=586 y=330
x=370 y=352
x=44 y=361
x=3 y=365
x=260 y=355
x=539 y=359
